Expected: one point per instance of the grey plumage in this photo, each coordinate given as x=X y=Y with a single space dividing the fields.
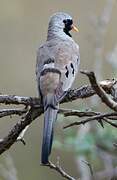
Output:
x=57 y=65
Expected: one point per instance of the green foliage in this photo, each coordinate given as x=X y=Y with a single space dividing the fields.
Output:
x=86 y=144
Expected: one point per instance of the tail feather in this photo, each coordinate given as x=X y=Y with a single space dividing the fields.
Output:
x=50 y=116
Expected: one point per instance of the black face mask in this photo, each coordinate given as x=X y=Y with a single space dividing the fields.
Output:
x=68 y=26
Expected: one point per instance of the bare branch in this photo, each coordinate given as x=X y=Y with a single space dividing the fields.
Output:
x=99 y=91
x=72 y=112
x=12 y=136
x=9 y=112
x=93 y=118
x=12 y=99
x=111 y=123
x=59 y=169
x=36 y=110
x=87 y=91
x=73 y=94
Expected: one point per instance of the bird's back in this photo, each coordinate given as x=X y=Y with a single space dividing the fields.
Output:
x=62 y=55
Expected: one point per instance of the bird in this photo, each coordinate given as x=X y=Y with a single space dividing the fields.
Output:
x=57 y=64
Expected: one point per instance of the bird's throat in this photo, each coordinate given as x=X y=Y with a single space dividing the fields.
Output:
x=67 y=32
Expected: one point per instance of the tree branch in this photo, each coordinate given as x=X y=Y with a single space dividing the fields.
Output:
x=36 y=109
x=12 y=136
x=59 y=169
x=9 y=112
x=99 y=91
x=73 y=94
x=98 y=117
x=12 y=99
x=72 y=112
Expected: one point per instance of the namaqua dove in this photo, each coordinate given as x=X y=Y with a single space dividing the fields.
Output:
x=57 y=65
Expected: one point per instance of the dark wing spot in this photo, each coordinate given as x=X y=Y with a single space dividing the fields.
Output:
x=73 y=70
x=67 y=72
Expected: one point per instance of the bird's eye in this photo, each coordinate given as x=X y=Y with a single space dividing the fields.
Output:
x=68 y=21
x=64 y=21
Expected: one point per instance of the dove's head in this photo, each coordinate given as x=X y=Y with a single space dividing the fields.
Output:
x=61 y=24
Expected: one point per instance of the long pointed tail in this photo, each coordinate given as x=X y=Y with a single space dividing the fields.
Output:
x=50 y=116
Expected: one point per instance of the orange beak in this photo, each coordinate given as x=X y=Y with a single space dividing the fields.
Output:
x=74 y=28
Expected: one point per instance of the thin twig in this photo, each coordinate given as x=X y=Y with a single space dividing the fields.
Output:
x=111 y=123
x=9 y=112
x=72 y=112
x=93 y=118
x=59 y=169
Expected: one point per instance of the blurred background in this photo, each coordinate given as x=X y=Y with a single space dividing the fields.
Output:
x=23 y=28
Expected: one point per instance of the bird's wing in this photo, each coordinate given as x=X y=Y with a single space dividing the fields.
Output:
x=42 y=56
x=67 y=61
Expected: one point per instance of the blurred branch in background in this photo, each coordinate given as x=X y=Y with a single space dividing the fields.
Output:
x=33 y=109
x=85 y=173
x=7 y=169
x=100 y=24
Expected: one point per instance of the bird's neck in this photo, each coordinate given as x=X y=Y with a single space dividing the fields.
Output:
x=57 y=32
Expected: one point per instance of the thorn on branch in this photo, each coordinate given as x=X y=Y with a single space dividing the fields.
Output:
x=21 y=136
x=22 y=141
